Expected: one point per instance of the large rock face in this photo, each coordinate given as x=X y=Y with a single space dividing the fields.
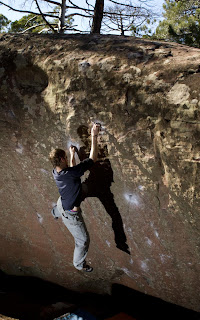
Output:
x=142 y=212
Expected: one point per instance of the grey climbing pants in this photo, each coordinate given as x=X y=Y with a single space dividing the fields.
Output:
x=76 y=226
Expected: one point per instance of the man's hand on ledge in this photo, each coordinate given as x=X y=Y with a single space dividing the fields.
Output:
x=95 y=129
x=72 y=150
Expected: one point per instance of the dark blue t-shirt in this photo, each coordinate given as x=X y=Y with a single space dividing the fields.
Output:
x=69 y=183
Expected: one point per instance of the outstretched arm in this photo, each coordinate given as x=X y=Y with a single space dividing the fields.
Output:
x=72 y=160
x=94 y=148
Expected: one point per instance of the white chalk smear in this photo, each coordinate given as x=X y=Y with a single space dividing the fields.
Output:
x=130 y=274
x=156 y=234
x=44 y=171
x=149 y=242
x=141 y=188
x=11 y=114
x=19 y=148
x=164 y=258
x=40 y=218
x=132 y=198
x=144 y=266
x=108 y=243
x=154 y=230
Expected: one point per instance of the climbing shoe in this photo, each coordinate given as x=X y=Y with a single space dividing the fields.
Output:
x=87 y=268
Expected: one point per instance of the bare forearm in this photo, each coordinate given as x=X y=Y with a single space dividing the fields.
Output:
x=72 y=161
x=94 y=149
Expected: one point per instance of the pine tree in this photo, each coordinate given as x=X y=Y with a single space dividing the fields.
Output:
x=4 y=22
x=181 y=22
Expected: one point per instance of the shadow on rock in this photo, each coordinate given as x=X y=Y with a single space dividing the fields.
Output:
x=98 y=185
x=142 y=306
x=26 y=297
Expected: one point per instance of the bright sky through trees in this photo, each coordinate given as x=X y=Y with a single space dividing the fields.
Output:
x=83 y=24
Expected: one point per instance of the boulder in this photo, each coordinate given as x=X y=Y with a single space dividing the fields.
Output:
x=142 y=210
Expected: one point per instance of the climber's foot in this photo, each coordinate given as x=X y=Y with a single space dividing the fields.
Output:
x=87 y=268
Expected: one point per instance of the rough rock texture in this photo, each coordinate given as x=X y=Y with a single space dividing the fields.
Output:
x=143 y=209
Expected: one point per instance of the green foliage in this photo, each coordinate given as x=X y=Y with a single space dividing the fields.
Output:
x=143 y=30
x=181 y=22
x=30 y=21
x=134 y=30
x=35 y=23
x=4 y=22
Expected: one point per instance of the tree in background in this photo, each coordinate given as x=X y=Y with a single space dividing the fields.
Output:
x=121 y=17
x=36 y=24
x=144 y=30
x=126 y=17
x=98 y=16
x=4 y=22
x=55 y=20
x=181 y=22
x=31 y=23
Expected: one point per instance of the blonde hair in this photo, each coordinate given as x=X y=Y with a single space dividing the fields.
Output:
x=55 y=157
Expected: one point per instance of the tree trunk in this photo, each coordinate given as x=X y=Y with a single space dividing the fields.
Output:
x=121 y=26
x=61 y=23
x=98 y=16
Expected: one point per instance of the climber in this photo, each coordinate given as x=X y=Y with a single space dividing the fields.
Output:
x=68 y=181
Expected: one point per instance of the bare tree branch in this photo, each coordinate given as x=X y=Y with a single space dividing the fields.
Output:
x=53 y=2
x=33 y=27
x=122 y=4
x=77 y=14
x=107 y=14
x=89 y=5
x=114 y=29
x=132 y=6
x=141 y=23
x=50 y=26
x=30 y=20
x=121 y=18
x=45 y=29
x=26 y=11
x=79 y=8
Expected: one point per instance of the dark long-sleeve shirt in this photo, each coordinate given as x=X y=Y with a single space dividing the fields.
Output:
x=69 y=183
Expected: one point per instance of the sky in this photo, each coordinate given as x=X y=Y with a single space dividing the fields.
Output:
x=82 y=24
